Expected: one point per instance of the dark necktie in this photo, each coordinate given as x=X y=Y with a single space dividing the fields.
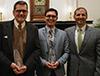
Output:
x=20 y=27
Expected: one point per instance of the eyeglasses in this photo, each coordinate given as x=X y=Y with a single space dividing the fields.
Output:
x=80 y=14
x=19 y=11
x=53 y=16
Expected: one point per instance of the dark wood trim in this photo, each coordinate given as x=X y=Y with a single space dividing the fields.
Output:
x=60 y=24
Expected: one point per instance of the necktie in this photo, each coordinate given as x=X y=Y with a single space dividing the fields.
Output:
x=50 y=38
x=52 y=56
x=79 y=38
x=20 y=27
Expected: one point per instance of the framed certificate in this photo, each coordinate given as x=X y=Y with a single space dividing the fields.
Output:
x=37 y=9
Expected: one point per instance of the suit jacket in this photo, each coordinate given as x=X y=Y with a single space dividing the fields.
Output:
x=87 y=61
x=31 y=51
x=61 y=49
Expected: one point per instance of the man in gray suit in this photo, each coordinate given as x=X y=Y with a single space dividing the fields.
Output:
x=54 y=52
x=84 y=58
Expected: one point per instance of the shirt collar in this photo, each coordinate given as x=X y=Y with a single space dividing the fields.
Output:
x=48 y=29
x=16 y=24
x=83 y=28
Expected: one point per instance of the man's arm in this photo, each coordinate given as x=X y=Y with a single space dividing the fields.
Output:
x=97 y=71
x=65 y=55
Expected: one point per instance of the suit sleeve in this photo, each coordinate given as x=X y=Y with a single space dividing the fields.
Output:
x=66 y=51
x=97 y=71
x=3 y=59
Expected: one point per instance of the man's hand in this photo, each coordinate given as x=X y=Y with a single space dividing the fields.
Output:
x=18 y=69
x=14 y=66
x=48 y=64
x=53 y=65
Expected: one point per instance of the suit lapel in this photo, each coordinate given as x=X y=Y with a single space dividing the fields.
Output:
x=28 y=36
x=10 y=34
x=72 y=34
x=46 y=38
x=56 y=35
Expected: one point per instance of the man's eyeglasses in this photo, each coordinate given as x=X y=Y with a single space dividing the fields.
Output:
x=53 y=16
x=19 y=11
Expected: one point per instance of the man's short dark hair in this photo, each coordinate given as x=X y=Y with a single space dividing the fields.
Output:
x=51 y=9
x=20 y=3
x=79 y=9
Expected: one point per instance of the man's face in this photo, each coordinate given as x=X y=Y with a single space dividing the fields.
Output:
x=51 y=19
x=80 y=17
x=20 y=13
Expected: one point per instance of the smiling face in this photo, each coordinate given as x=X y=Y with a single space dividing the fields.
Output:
x=20 y=13
x=80 y=16
x=51 y=18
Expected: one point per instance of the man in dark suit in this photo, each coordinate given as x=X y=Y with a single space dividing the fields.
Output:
x=54 y=46
x=84 y=59
x=19 y=44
